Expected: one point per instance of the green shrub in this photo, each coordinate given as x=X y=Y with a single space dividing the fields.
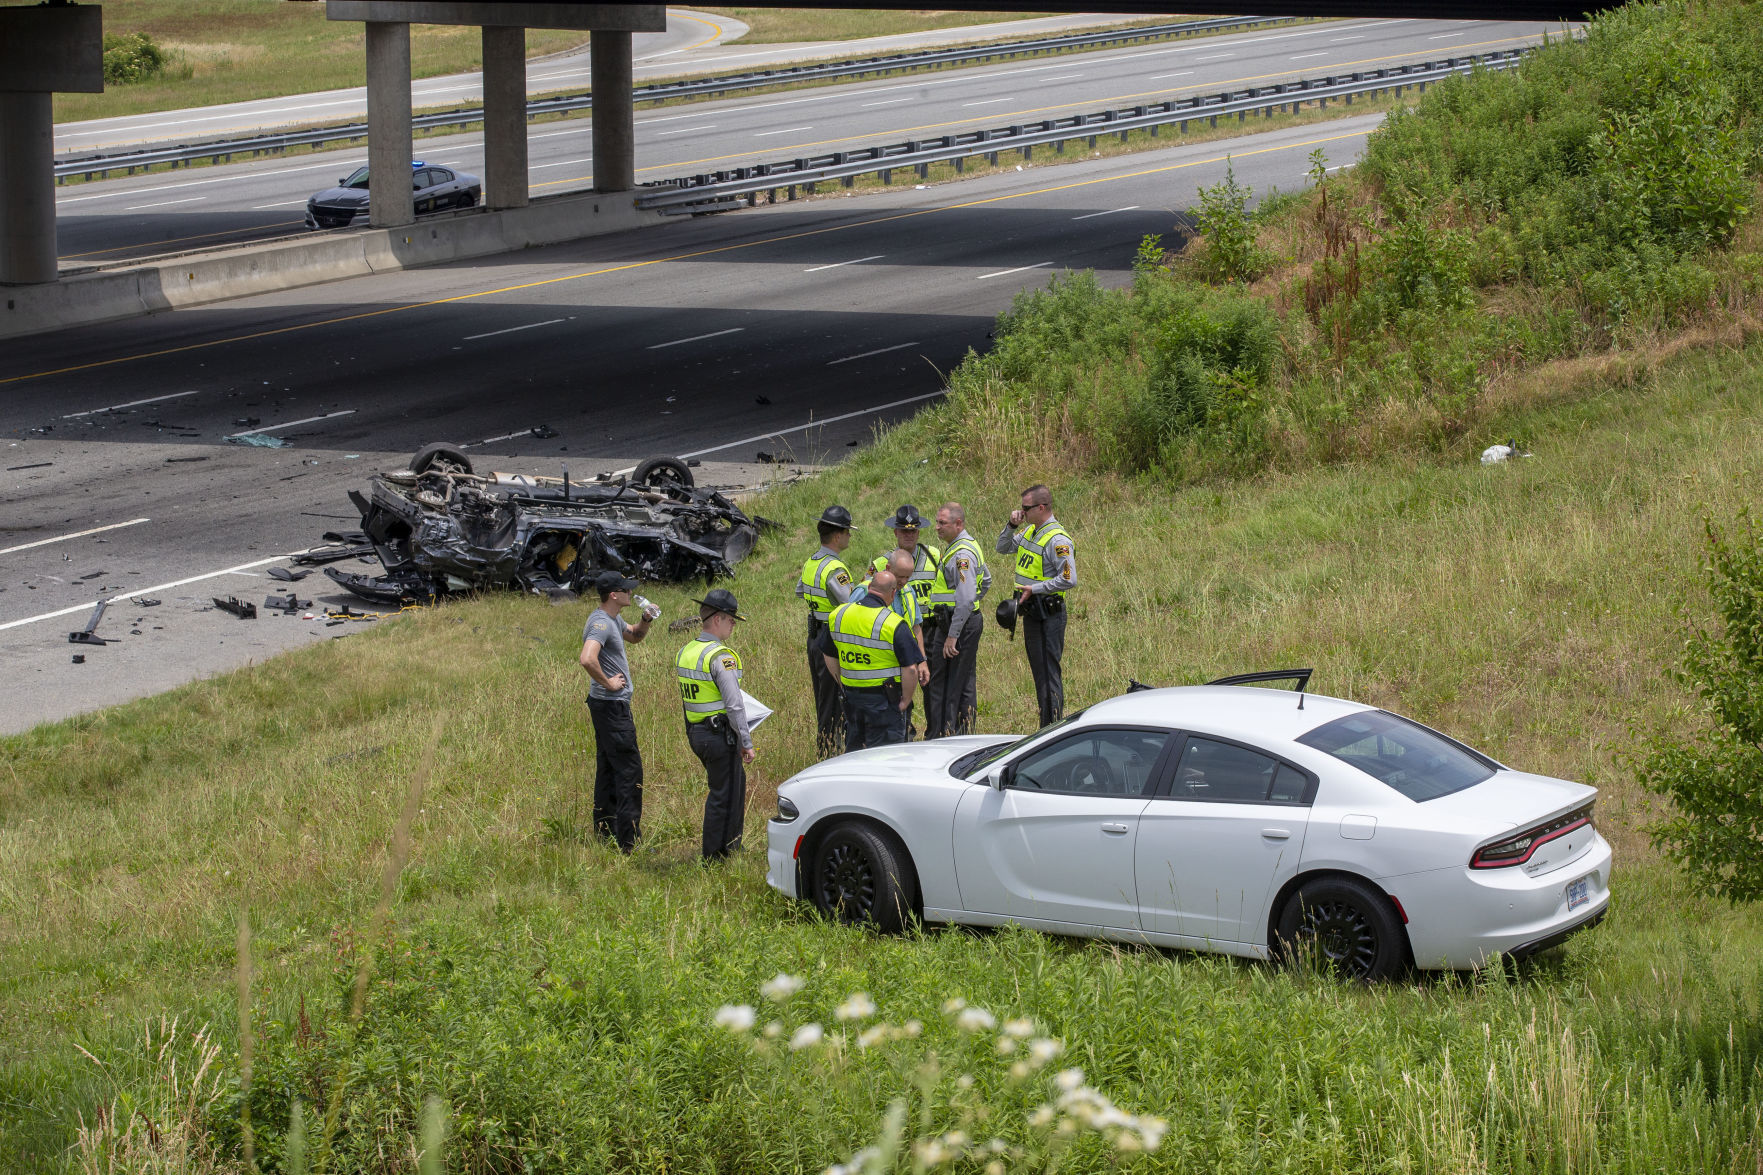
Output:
x=1715 y=783
x=130 y=58
x=1232 y=254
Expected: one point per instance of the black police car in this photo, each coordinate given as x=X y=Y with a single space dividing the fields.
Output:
x=436 y=188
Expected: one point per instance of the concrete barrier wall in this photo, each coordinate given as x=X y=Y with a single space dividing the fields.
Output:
x=195 y=279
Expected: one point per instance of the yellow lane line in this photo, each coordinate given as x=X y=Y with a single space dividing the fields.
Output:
x=694 y=254
x=715 y=29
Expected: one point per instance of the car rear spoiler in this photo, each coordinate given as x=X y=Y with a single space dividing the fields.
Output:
x=1301 y=676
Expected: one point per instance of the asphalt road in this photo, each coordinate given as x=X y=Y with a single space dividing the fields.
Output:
x=104 y=223
x=693 y=44
x=793 y=329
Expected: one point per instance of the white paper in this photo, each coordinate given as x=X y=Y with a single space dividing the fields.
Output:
x=757 y=711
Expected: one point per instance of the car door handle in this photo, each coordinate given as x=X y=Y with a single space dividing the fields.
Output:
x=1117 y=829
x=1276 y=833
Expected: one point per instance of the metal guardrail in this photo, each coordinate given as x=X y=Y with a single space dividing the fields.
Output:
x=720 y=191
x=103 y=163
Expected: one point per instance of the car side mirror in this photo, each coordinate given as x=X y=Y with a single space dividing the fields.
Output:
x=341 y=180
x=998 y=778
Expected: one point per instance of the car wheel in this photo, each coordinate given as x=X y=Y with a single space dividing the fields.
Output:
x=662 y=473
x=1346 y=926
x=442 y=458
x=859 y=877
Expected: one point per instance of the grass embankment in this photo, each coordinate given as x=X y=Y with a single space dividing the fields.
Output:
x=558 y=998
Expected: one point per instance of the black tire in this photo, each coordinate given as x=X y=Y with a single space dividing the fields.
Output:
x=440 y=454
x=662 y=473
x=860 y=877
x=1346 y=927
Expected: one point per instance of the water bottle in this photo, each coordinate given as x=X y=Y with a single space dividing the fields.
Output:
x=651 y=611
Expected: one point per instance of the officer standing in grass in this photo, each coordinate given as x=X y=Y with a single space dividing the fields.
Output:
x=906 y=522
x=618 y=764
x=1046 y=568
x=952 y=630
x=709 y=674
x=825 y=583
x=907 y=607
x=869 y=646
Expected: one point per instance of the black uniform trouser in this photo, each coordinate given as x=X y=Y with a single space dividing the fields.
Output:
x=618 y=773
x=872 y=719
x=829 y=703
x=1043 y=639
x=725 y=807
x=951 y=700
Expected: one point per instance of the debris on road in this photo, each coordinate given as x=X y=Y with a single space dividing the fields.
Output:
x=93 y=574
x=89 y=634
x=37 y=465
x=440 y=527
x=282 y=573
x=79 y=658
x=144 y=601
x=182 y=460
x=236 y=606
x=258 y=440
x=288 y=603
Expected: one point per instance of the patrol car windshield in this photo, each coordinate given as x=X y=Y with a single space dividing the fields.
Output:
x=1420 y=763
x=357 y=178
x=985 y=756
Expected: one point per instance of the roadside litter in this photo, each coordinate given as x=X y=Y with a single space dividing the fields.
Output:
x=1495 y=454
x=236 y=606
x=89 y=634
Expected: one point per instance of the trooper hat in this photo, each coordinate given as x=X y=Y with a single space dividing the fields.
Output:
x=1006 y=615
x=906 y=517
x=721 y=600
x=836 y=516
x=608 y=582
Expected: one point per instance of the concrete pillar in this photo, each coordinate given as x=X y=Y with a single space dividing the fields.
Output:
x=27 y=189
x=505 y=160
x=615 y=115
x=390 y=200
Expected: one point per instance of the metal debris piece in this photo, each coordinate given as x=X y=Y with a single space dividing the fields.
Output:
x=94 y=574
x=236 y=606
x=89 y=634
x=37 y=465
x=183 y=460
x=439 y=527
x=258 y=440
x=79 y=658
x=287 y=603
x=144 y=601
x=544 y=432
x=282 y=573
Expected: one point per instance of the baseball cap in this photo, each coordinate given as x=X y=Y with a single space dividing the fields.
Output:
x=608 y=582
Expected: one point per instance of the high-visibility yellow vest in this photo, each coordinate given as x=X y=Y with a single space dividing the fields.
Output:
x=864 y=637
x=1031 y=554
x=811 y=585
x=926 y=562
x=698 y=690
x=905 y=605
x=942 y=588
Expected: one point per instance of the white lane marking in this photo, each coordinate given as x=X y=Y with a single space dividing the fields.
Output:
x=525 y=432
x=147 y=591
x=1215 y=57
x=1064 y=77
x=510 y=330
x=1301 y=56
x=715 y=334
x=1019 y=269
x=78 y=534
x=283 y=204
x=987 y=102
x=251 y=432
x=130 y=404
x=219 y=179
x=867 y=354
x=164 y=203
x=1159 y=77
x=1357 y=37
x=1444 y=36
x=803 y=427
x=685 y=130
x=892 y=101
x=562 y=163
x=789 y=130
x=837 y=264
x=1110 y=212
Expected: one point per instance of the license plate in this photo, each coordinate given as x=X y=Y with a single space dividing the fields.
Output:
x=1579 y=893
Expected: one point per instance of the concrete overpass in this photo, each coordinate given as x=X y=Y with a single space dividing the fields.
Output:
x=57 y=46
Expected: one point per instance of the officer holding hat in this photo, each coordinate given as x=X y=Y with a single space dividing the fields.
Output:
x=825 y=583
x=709 y=674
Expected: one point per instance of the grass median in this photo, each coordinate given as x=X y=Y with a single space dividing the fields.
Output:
x=558 y=997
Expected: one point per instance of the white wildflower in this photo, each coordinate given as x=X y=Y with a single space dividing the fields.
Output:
x=1126 y=1140
x=952 y=1005
x=874 y=1034
x=931 y=1152
x=773 y=1030
x=912 y=1028
x=1005 y=1046
x=1069 y=1079
x=1152 y=1129
x=974 y=1019
x=995 y=1167
x=1019 y=1027
x=1041 y=1117
x=1020 y=1070
x=807 y=1036
x=858 y=1006
x=734 y=1017
x=1044 y=1049
x=781 y=987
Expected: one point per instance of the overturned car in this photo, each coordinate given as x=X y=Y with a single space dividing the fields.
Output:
x=440 y=527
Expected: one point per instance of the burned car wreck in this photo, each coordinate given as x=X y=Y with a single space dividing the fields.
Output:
x=439 y=527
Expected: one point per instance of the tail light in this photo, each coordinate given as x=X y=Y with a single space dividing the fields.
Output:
x=1517 y=849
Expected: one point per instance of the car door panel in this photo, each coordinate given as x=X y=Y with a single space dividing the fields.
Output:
x=1216 y=845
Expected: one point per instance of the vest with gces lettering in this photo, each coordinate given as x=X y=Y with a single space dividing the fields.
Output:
x=697 y=687
x=864 y=637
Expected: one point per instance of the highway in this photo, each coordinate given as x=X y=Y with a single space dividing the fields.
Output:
x=168 y=212
x=714 y=337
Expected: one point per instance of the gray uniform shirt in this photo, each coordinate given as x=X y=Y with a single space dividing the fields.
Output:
x=722 y=672
x=1062 y=563
x=968 y=589
x=609 y=631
